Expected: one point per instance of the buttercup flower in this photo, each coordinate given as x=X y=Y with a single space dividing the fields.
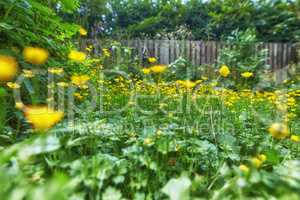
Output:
x=77 y=56
x=158 y=68
x=89 y=48
x=8 y=68
x=80 y=80
x=78 y=95
x=247 y=74
x=279 y=131
x=224 y=71
x=146 y=70
x=106 y=52
x=148 y=141
x=262 y=157
x=13 y=85
x=62 y=84
x=56 y=71
x=35 y=55
x=187 y=83
x=152 y=60
x=295 y=138
x=256 y=162
x=41 y=117
x=19 y=105
x=244 y=168
x=82 y=31
x=27 y=73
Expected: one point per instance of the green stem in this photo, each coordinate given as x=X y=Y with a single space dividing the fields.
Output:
x=3 y=110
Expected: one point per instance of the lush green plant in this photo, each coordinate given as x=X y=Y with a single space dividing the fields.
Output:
x=242 y=55
x=130 y=133
x=206 y=20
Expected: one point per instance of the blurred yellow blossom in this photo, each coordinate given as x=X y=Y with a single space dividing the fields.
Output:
x=262 y=157
x=62 y=84
x=77 y=56
x=148 y=141
x=158 y=68
x=56 y=71
x=27 y=73
x=279 y=130
x=78 y=95
x=244 y=168
x=256 y=162
x=35 y=55
x=41 y=117
x=80 y=80
x=247 y=74
x=8 y=68
x=13 y=85
x=295 y=138
x=89 y=48
x=106 y=52
x=19 y=105
x=146 y=70
x=82 y=31
x=152 y=59
x=224 y=71
x=187 y=83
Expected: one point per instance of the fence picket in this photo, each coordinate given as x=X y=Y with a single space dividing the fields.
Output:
x=199 y=52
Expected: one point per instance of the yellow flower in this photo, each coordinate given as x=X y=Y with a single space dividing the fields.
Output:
x=146 y=70
x=256 y=162
x=82 y=31
x=152 y=60
x=77 y=56
x=244 y=168
x=278 y=130
x=8 y=68
x=247 y=74
x=35 y=55
x=158 y=68
x=89 y=48
x=295 y=138
x=56 y=70
x=148 y=141
x=62 y=84
x=187 y=83
x=13 y=85
x=27 y=73
x=19 y=105
x=80 y=80
x=262 y=157
x=106 y=52
x=41 y=117
x=78 y=95
x=224 y=71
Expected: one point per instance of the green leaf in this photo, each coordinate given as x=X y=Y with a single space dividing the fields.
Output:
x=111 y=194
x=178 y=189
x=6 y=26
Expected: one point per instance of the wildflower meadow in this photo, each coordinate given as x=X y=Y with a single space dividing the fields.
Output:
x=83 y=116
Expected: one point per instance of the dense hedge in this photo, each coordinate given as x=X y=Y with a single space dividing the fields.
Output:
x=276 y=20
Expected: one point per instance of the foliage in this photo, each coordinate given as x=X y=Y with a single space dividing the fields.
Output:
x=31 y=22
x=157 y=132
x=207 y=20
x=244 y=55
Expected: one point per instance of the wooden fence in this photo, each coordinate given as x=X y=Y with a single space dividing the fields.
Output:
x=205 y=52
